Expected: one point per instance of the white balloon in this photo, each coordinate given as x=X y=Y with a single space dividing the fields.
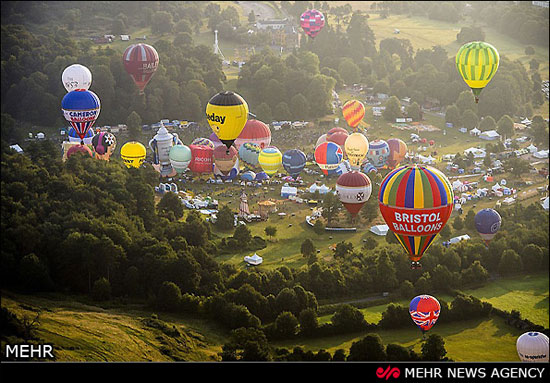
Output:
x=76 y=76
x=533 y=347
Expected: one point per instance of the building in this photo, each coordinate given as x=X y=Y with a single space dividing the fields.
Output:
x=379 y=229
x=543 y=4
x=17 y=148
x=271 y=24
x=489 y=135
x=254 y=260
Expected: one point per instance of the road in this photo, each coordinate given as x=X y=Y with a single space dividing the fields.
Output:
x=261 y=10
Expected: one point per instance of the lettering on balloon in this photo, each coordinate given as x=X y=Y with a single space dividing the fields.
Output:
x=214 y=118
x=422 y=222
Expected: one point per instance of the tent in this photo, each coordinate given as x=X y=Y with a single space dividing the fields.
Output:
x=541 y=154
x=489 y=135
x=287 y=191
x=496 y=187
x=475 y=132
x=458 y=185
x=544 y=204
x=254 y=260
x=17 y=148
x=379 y=229
x=532 y=148
x=508 y=201
x=478 y=153
x=464 y=237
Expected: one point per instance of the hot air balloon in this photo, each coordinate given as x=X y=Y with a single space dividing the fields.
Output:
x=431 y=142
x=415 y=201
x=336 y=129
x=294 y=161
x=74 y=137
x=368 y=168
x=477 y=63
x=104 y=144
x=201 y=159
x=76 y=76
x=261 y=176
x=424 y=310
x=256 y=132
x=378 y=153
x=353 y=112
x=225 y=161
x=227 y=113
x=141 y=62
x=356 y=147
x=270 y=159
x=398 y=150
x=180 y=157
x=201 y=141
x=133 y=154
x=353 y=189
x=312 y=21
x=215 y=140
x=328 y=156
x=338 y=138
x=423 y=140
x=79 y=149
x=487 y=224
x=81 y=108
x=321 y=139
x=248 y=175
x=532 y=346
x=249 y=152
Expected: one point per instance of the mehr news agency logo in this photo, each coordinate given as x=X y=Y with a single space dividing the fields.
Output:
x=450 y=372
x=28 y=351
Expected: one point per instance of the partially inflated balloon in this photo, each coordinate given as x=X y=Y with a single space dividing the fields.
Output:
x=180 y=157
x=532 y=346
x=225 y=161
x=227 y=113
x=321 y=139
x=104 y=144
x=487 y=224
x=79 y=149
x=338 y=138
x=254 y=131
x=353 y=112
x=424 y=311
x=335 y=130
x=133 y=154
x=356 y=147
x=477 y=63
x=215 y=140
x=270 y=160
x=249 y=152
x=398 y=150
x=76 y=76
x=201 y=159
x=294 y=161
x=312 y=21
x=353 y=189
x=140 y=62
x=416 y=201
x=328 y=156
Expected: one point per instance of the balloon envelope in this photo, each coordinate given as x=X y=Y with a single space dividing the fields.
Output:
x=223 y=160
x=378 y=153
x=76 y=76
x=353 y=111
x=74 y=137
x=256 y=132
x=81 y=108
x=353 y=189
x=424 y=311
x=133 y=154
x=487 y=222
x=270 y=159
x=532 y=347
x=227 y=113
x=249 y=153
x=328 y=156
x=356 y=147
x=204 y=142
x=416 y=201
x=398 y=150
x=477 y=63
x=294 y=161
x=248 y=175
x=104 y=144
x=140 y=62
x=180 y=157
x=215 y=140
x=321 y=139
x=79 y=149
x=312 y=21
x=201 y=159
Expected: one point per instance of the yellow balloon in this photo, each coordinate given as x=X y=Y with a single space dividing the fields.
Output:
x=270 y=159
x=356 y=147
x=133 y=154
x=227 y=113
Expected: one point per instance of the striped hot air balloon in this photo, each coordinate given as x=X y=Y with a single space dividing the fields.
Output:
x=140 y=62
x=249 y=153
x=333 y=131
x=338 y=138
x=477 y=63
x=254 y=131
x=398 y=150
x=378 y=153
x=270 y=160
x=328 y=156
x=225 y=161
x=353 y=112
x=424 y=311
x=294 y=161
x=201 y=141
x=353 y=189
x=415 y=201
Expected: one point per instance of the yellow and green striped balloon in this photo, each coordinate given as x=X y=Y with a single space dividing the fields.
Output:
x=477 y=63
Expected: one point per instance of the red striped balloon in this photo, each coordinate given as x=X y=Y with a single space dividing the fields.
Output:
x=254 y=131
x=353 y=111
x=353 y=189
x=141 y=62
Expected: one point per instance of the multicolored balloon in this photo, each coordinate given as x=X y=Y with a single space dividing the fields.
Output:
x=416 y=201
x=321 y=139
x=215 y=140
x=254 y=131
x=225 y=161
x=532 y=346
x=74 y=137
x=487 y=222
x=477 y=62
x=270 y=159
x=312 y=21
x=369 y=168
x=249 y=153
x=398 y=150
x=227 y=113
x=180 y=157
x=81 y=108
x=133 y=154
x=353 y=112
x=424 y=311
x=140 y=62
x=328 y=156
x=378 y=154
x=294 y=161
x=104 y=144
x=201 y=141
x=79 y=149
x=353 y=189
x=356 y=147
x=76 y=76
x=249 y=175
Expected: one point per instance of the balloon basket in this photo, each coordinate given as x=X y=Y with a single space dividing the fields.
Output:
x=416 y=265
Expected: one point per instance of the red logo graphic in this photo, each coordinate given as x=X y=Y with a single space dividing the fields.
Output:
x=389 y=372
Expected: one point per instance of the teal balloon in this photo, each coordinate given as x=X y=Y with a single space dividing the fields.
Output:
x=180 y=156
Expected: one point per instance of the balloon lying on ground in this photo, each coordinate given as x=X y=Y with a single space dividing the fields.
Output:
x=415 y=201
x=76 y=76
x=140 y=62
x=256 y=132
x=270 y=159
x=81 y=108
x=424 y=311
x=133 y=154
x=487 y=223
x=477 y=62
x=294 y=161
x=532 y=346
x=353 y=190
x=227 y=113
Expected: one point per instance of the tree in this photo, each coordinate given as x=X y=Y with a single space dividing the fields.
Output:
x=475 y=274
x=510 y=263
x=469 y=220
x=445 y=233
x=370 y=348
x=469 y=119
x=101 y=290
x=251 y=17
x=534 y=64
x=488 y=123
x=393 y=109
x=433 y=349
x=169 y=296
x=531 y=257
x=406 y=289
x=242 y=235
x=270 y=231
x=413 y=111
x=308 y=321
x=307 y=248
x=133 y=122
x=225 y=218
x=299 y=107
x=118 y=27
x=171 y=203
x=349 y=71
x=162 y=22
x=348 y=318
x=466 y=101
x=506 y=126
x=286 y=324
x=247 y=344
x=33 y=274
x=517 y=166
x=396 y=352
x=263 y=111
x=458 y=224
x=318 y=227
x=331 y=203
